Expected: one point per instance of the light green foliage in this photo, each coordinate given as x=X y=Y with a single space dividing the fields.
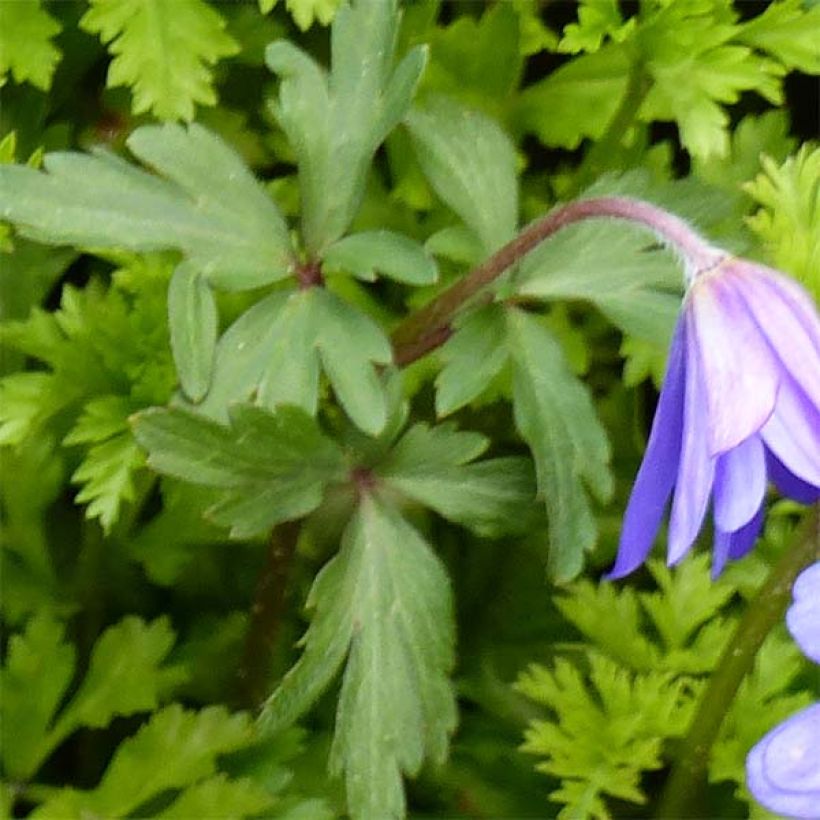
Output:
x=304 y=12
x=274 y=352
x=788 y=220
x=163 y=51
x=608 y=729
x=208 y=206
x=107 y=355
x=556 y=417
x=176 y=749
x=361 y=99
x=383 y=602
x=470 y=162
x=26 y=48
x=690 y=59
x=124 y=677
x=273 y=467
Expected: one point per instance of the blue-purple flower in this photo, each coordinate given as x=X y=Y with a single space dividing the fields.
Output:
x=739 y=407
x=783 y=769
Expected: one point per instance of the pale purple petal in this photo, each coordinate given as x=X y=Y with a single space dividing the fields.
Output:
x=786 y=318
x=783 y=769
x=697 y=467
x=803 y=617
x=740 y=374
x=740 y=484
x=793 y=432
x=656 y=475
x=734 y=545
x=790 y=485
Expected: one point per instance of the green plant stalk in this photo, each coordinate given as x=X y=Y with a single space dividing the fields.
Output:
x=763 y=613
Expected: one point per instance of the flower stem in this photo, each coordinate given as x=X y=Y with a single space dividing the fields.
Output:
x=762 y=614
x=428 y=327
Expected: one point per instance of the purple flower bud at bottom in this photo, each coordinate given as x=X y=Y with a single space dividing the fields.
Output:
x=783 y=769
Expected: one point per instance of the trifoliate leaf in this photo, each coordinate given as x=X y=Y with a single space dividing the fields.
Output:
x=208 y=206
x=473 y=357
x=124 y=677
x=607 y=730
x=789 y=32
x=26 y=47
x=577 y=100
x=385 y=600
x=788 y=220
x=431 y=466
x=193 y=322
x=470 y=162
x=273 y=353
x=381 y=252
x=163 y=51
x=617 y=268
x=175 y=749
x=362 y=98
x=274 y=467
x=555 y=415
x=304 y=12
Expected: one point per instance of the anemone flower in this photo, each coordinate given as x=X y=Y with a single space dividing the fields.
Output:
x=739 y=407
x=783 y=769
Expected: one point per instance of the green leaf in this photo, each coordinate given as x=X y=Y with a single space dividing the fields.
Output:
x=273 y=353
x=163 y=51
x=555 y=415
x=366 y=254
x=597 y=19
x=124 y=677
x=788 y=220
x=608 y=729
x=361 y=100
x=614 y=266
x=175 y=749
x=577 y=100
x=35 y=677
x=304 y=12
x=385 y=599
x=219 y=797
x=431 y=466
x=209 y=206
x=26 y=47
x=473 y=357
x=274 y=466
x=470 y=162
x=193 y=322
x=788 y=31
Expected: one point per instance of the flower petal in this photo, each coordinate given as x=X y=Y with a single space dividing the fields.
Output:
x=790 y=485
x=740 y=484
x=735 y=544
x=803 y=616
x=740 y=374
x=787 y=319
x=783 y=769
x=793 y=432
x=656 y=475
x=697 y=467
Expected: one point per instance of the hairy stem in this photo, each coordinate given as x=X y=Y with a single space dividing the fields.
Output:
x=267 y=611
x=763 y=613
x=428 y=327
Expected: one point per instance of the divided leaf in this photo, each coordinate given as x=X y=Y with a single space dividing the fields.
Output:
x=471 y=164
x=335 y=121
x=163 y=51
x=384 y=602
x=431 y=466
x=26 y=47
x=208 y=205
x=273 y=467
x=555 y=415
x=273 y=353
